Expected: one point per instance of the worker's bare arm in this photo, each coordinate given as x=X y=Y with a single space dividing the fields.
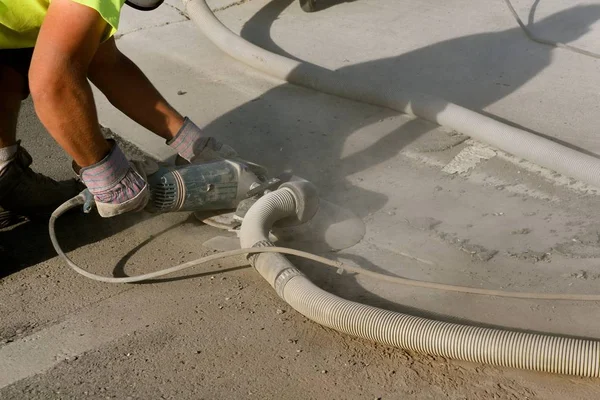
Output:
x=128 y=89
x=68 y=41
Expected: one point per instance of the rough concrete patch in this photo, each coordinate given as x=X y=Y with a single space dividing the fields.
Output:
x=531 y=256
x=476 y=251
x=484 y=178
x=437 y=140
x=549 y=175
x=577 y=250
x=10 y=333
x=422 y=158
x=423 y=223
x=479 y=252
x=468 y=158
x=591 y=238
x=583 y=245
x=583 y=275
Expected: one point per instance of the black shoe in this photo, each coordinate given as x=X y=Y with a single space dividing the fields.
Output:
x=27 y=193
x=8 y=219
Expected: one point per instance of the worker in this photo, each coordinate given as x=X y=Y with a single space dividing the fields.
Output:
x=49 y=49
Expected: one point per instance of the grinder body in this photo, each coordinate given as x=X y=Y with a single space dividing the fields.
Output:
x=215 y=185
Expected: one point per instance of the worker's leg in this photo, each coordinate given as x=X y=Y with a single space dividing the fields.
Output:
x=68 y=41
x=128 y=89
x=61 y=93
x=12 y=88
x=22 y=191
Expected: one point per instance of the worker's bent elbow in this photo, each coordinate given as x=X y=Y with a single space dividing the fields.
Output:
x=48 y=84
x=45 y=86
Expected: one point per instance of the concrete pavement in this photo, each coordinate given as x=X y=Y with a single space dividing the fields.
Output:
x=502 y=224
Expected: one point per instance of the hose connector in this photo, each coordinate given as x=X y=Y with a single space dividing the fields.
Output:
x=263 y=243
x=306 y=199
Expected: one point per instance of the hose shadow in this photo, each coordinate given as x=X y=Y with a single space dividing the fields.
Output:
x=29 y=244
x=474 y=71
x=119 y=269
x=255 y=32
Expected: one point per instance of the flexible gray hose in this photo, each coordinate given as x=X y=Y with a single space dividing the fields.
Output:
x=513 y=349
x=490 y=346
x=338 y=265
x=512 y=140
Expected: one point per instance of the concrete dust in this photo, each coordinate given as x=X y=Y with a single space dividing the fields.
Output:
x=333 y=228
x=423 y=223
x=222 y=243
x=478 y=251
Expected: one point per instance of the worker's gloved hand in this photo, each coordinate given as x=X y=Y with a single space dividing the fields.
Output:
x=118 y=185
x=193 y=147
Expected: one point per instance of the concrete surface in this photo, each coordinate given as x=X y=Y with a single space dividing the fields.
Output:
x=434 y=205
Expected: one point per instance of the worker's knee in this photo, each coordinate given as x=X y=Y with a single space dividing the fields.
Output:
x=13 y=85
x=41 y=82
x=49 y=80
x=12 y=91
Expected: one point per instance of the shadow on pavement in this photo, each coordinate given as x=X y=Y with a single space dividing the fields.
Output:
x=29 y=243
x=321 y=5
x=474 y=71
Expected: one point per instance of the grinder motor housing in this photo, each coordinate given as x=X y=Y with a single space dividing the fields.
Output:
x=215 y=185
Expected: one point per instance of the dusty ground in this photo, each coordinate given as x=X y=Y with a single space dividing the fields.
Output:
x=220 y=331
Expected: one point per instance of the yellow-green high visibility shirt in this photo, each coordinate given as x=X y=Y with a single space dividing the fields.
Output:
x=20 y=20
